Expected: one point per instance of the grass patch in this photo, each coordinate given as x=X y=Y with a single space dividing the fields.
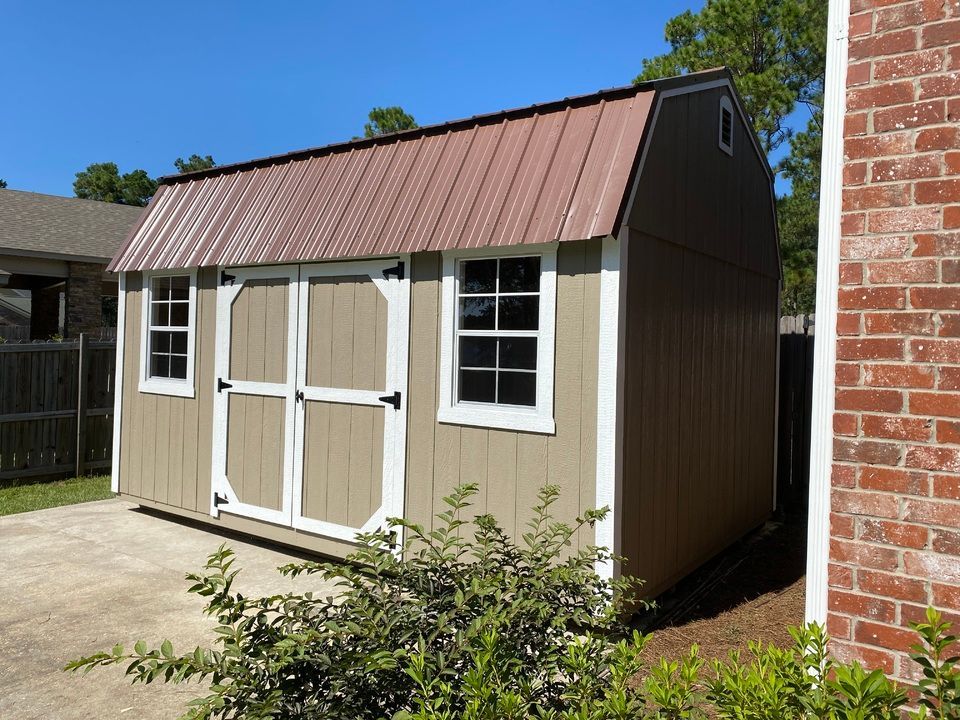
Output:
x=24 y=498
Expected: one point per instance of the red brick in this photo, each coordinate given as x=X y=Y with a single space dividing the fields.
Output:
x=874 y=146
x=838 y=626
x=876 y=196
x=858 y=74
x=866 y=451
x=945 y=33
x=869 y=399
x=947 y=542
x=884 y=636
x=864 y=555
x=953 y=58
x=904 y=220
x=951 y=217
x=940 y=404
x=847 y=374
x=940 y=192
x=899 y=41
x=861 y=5
x=949 y=378
x=860 y=24
x=848 y=323
x=887 y=532
x=899 y=323
x=952 y=161
x=950 y=270
x=932 y=512
x=840 y=576
x=938 y=298
x=862 y=606
x=892 y=585
x=851 y=273
x=948 y=431
x=895 y=428
x=853 y=223
x=898 y=92
x=945 y=568
x=940 y=458
x=902 y=66
x=953 y=110
x=894 y=480
x=946 y=487
x=871 y=504
x=905 y=168
x=939 y=138
x=857 y=248
x=842 y=526
x=936 y=244
x=870 y=349
x=909 y=116
x=858 y=298
x=905 y=271
x=843 y=476
x=939 y=86
x=905 y=376
x=868 y=657
x=930 y=350
x=854 y=173
x=946 y=596
x=899 y=16
x=910 y=613
x=845 y=424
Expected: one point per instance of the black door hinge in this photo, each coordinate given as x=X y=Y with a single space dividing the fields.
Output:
x=392 y=399
x=298 y=396
x=395 y=270
x=221 y=385
x=226 y=277
x=219 y=500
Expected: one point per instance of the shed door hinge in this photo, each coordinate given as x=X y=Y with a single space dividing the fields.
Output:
x=219 y=500
x=395 y=270
x=221 y=385
x=392 y=399
x=226 y=277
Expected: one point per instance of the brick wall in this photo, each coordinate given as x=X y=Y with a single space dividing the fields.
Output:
x=84 y=311
x=895 y=522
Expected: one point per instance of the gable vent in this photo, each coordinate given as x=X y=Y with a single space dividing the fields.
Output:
x=726 y=125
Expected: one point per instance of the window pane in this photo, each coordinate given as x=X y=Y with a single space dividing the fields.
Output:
x=180 y=287
x=160 y=341
x=178 y=314
x=178 y=367
x=178 y=343
x=519 y=313
x=518 y=388
x=520 y=274
x=478 y=385
x=477 y=313
x=478 y=276
x=160 y=314
x=161 y=288
x=518 y=353
x=478 y=352
x=159 y=365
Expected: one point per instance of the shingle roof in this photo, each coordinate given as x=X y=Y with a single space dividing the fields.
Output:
x=50 y=225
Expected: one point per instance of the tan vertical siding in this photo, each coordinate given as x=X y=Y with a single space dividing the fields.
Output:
x=701 y=333
x=509 y=466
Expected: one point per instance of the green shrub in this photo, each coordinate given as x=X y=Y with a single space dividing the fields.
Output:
x=466 y=624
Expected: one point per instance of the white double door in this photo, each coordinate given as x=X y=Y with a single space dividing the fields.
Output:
x=310 y=401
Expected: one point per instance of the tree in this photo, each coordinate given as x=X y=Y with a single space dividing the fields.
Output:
x=3 y=183
x=194 y=163
x=384 y=120
x=776 y=50
x=102 y=181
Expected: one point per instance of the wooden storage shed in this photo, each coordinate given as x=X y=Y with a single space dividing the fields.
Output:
x=582 y=292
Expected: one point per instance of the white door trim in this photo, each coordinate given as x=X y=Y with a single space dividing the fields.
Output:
x=220 y=485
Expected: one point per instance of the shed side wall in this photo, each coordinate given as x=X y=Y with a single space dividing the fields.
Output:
x=701 y=338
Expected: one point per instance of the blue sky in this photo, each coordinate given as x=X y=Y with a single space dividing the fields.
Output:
x=142 y=83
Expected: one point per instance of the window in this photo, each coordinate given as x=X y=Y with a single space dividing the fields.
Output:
x=168 y=334
x=726 y=125
x=497 y=359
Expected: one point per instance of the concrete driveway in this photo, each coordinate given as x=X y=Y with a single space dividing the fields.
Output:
x=77 y=579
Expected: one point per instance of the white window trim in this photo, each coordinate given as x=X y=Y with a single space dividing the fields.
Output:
x=167 y=386
x=538 y=419
x=725 y=105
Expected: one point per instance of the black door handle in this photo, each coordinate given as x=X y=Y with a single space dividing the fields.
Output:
x=299 y=396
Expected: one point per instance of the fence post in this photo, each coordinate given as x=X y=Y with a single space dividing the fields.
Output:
x=82 y=361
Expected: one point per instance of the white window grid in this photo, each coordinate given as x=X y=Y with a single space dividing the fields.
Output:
x=495 y=333
x=169 y=328
x=158 y=384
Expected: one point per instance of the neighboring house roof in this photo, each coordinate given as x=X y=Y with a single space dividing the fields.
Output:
x=556 y=171
x=15 y=302
x=61 y=227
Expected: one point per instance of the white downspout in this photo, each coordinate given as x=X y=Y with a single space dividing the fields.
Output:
x=825 y=353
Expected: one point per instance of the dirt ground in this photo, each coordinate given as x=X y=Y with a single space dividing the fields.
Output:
x=753 y=591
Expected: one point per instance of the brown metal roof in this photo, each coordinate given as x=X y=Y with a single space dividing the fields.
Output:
x=551 y=172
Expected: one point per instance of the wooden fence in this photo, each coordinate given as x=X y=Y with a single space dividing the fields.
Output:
x=796 y=385
x=56 y=408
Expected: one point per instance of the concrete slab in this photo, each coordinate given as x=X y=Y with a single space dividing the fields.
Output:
x=77 y=579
